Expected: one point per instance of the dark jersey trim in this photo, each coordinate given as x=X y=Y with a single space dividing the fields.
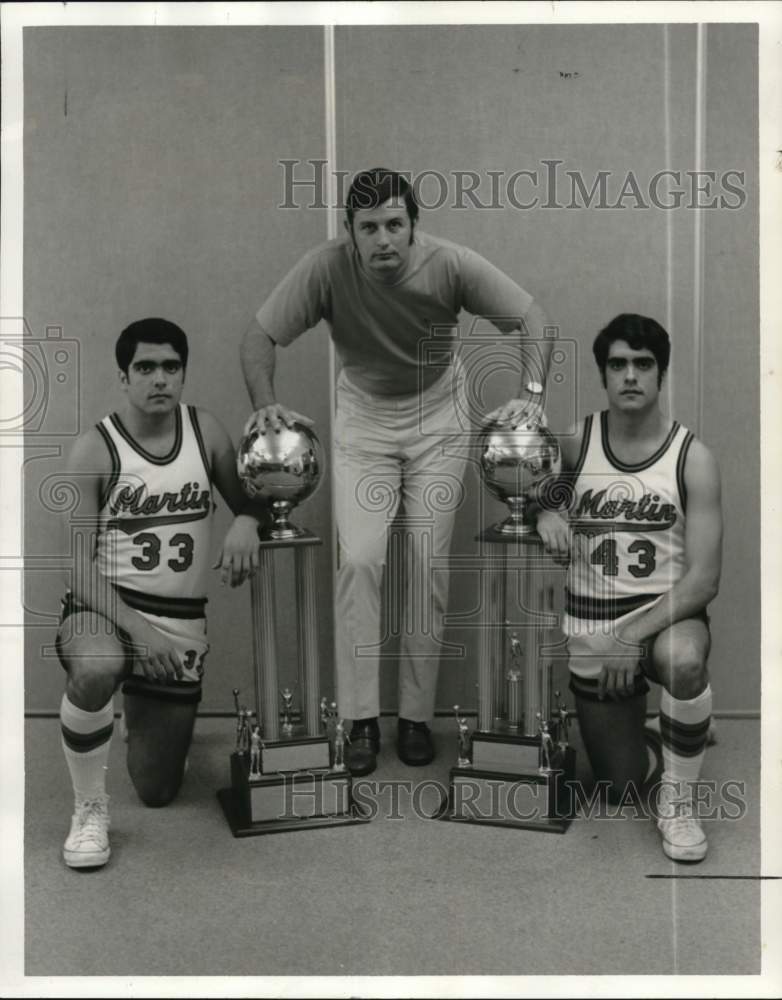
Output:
x=585 y=438
x=640 y=466
x=146 y=455
x=163 y=607
x=200 y=439
x=116 y=467
x=680 y=463
x=604 y=609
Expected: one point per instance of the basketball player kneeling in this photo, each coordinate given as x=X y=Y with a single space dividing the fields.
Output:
x=134 y=615
x=643 y=535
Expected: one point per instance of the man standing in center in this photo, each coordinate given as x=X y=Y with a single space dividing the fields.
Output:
x=383 y=289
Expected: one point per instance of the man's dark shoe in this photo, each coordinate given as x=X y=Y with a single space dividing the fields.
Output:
x=364 y=747
x=414 y=743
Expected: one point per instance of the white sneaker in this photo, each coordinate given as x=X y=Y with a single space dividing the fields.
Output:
x=87 y=845
x=682 y=835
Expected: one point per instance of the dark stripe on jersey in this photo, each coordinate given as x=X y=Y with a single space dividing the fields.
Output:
x=147 y=455
x=200 y=439
x=115 y=466
x=600 y=609
x=587 y=434
x=680 y=463
x=587 y=688
x=84 y=742
x=164 y=607
x=592 y=528
x=640 y=466
x=181 y=691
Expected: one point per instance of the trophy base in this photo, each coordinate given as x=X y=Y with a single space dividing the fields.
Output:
x=531 y=800
x=276 y=803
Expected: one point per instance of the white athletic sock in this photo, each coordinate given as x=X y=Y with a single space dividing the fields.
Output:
x=684 y=727
x=86 y=739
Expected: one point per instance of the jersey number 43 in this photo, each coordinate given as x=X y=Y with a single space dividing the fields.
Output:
x=605 y=555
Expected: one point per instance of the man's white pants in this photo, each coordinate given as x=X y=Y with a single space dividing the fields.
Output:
x=387 y=450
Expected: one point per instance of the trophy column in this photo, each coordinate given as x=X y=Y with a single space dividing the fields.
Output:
x=282 y=776
x=514 y=774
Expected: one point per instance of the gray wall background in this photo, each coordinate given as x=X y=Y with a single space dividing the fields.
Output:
x=152 y=186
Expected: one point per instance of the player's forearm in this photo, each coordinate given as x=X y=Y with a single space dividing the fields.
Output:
x=257 y=353
x=535 y=347
x=685 y=599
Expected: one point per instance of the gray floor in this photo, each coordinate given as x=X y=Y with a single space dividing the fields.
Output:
x=397 y=896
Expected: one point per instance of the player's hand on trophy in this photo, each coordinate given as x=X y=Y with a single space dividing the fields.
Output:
x=555 y=535
x=157 y=656
x=519 y=411
x=238 y=557
x=275 y=416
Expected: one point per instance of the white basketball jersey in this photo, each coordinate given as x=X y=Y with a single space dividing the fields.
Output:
x=156 y=515
x=626 y=523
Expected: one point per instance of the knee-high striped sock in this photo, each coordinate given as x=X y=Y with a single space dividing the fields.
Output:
x=86 y=739
x=684 y=727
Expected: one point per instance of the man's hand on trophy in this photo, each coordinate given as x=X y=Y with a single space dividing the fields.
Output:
x=275 y=416
x=238 y=557
x=518 y=411
x=555 y=535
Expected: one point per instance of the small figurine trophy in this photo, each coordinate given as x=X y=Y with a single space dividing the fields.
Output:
x=339 y=746
x=563 y=723
x=243 y=716
x=287 y=711
x=514 y=684
x=546 y=746
x=255 y=752
x=463 y=740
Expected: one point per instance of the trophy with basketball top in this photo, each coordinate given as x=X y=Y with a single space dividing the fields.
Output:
x=291 y=784
x=515 y=774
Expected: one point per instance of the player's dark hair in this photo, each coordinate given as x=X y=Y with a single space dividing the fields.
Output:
x=639 y=332
x=149 y=331
x=375 y=186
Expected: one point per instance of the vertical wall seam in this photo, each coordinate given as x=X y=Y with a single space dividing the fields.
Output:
x=332 y=228
x=698 y=263
x=671 y=395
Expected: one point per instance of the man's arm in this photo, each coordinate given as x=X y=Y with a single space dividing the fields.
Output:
x=89 y=468
x=238 y=556
x=257 y=354
x=702 y=545
x=295 y=304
